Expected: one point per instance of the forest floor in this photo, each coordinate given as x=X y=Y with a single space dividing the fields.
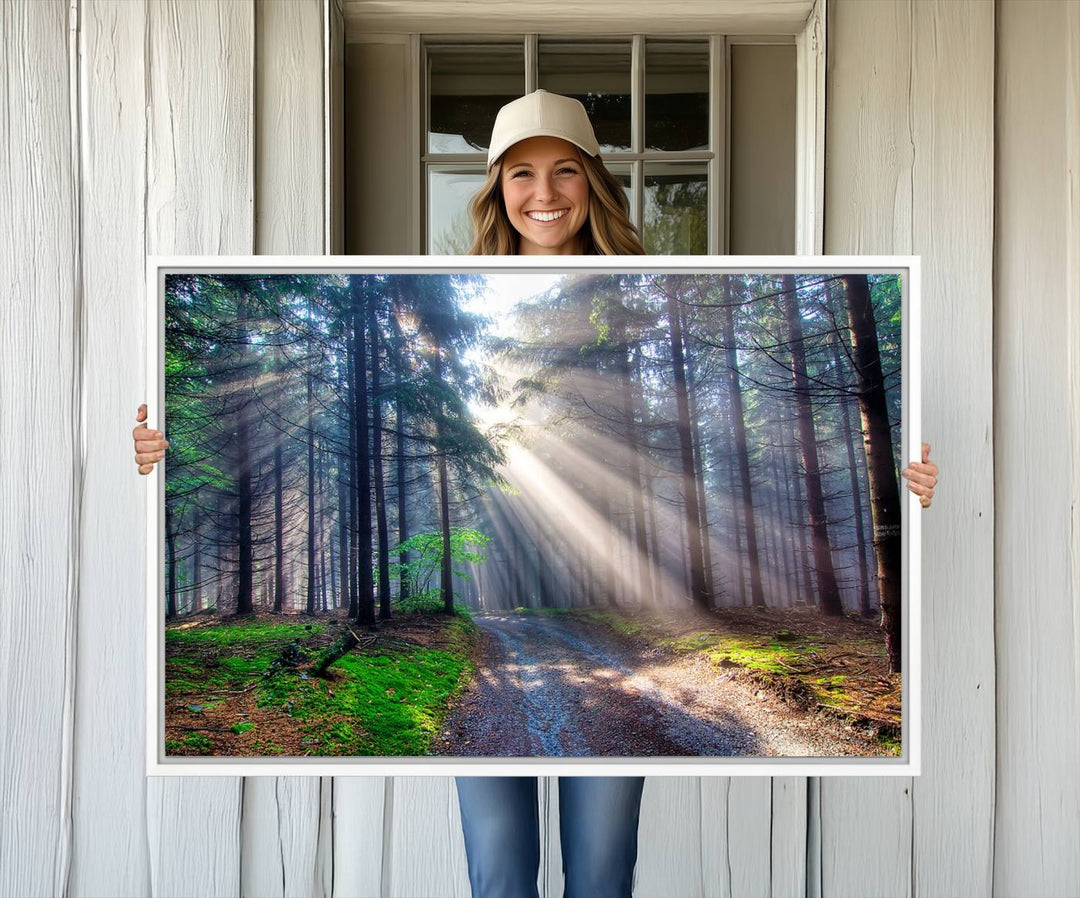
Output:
x=570 y=683
x=734 y=682
x=244 y=686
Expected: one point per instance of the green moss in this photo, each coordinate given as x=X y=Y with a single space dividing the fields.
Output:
x=267 y=748
x=198 y=742
x=763 y=653
x=173 y=745
x=690 y=642
x=245 y=633
x=889 y=744
x=617 y=622
x=242 y=727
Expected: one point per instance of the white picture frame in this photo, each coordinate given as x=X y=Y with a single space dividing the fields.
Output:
x=907 y=764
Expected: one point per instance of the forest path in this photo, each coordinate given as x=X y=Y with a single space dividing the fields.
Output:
x=562 y=686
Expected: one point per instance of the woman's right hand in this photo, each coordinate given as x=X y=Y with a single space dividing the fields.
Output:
x=150 y=445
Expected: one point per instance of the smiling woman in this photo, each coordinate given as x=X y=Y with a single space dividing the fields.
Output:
x=547 y=190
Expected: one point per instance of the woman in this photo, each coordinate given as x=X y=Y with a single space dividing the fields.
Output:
x=548 y=193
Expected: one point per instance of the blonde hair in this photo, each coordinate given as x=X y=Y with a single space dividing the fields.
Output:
x=608 y=230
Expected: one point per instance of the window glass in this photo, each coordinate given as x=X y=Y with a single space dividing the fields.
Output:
x=676 y=95
x=597 y=74
x=449 y=192
x=467 y=84
x=676 y=208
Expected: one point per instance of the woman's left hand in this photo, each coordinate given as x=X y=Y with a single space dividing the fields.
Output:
x=922 y=477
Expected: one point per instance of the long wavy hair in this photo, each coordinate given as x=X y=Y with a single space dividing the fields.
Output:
x=607 y=231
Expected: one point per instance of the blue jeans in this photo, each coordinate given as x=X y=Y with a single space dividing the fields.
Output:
x=598 y=822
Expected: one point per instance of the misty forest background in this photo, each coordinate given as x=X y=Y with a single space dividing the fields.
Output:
x=364 y=444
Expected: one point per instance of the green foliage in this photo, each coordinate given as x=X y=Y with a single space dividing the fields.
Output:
x=429 y=601
x=389 y=704
x=242 y=726
x=198 y=742
x=426 y=556
x=246 y=633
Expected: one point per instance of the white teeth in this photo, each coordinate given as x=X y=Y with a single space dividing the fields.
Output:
x=546 y=216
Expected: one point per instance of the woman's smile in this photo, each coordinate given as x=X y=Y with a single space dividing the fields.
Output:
x=553 y=215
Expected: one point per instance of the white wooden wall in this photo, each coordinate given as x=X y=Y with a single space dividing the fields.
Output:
x=198 y=127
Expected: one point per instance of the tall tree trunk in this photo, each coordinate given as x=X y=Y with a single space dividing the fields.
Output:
x=279 y=531
x=884 y=490
x=321 y=548
x=853 y=471
x=446 y=578
x=699 y=468
x=738 y=417
x=244 y=603
x=698 y=590
x=399 y=413
x=633 y=457
x=196 y=562
x=365 y=612
x=808 y=591
x=377 y=464
x=310 y=496
x=783 y=534
x=170 y=562
x=345 y=549
x=735 y=489
x=815 y=500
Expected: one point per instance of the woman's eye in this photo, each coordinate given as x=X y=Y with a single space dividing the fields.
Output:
x=567 y=171
x=520 y=173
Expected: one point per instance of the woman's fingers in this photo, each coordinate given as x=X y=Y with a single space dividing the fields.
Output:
x=150 y=445
x=919 y=477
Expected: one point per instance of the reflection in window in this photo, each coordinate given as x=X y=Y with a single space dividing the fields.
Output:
x=676 y=95
x=598 y=75
x=449 y=191
x=676 y=208
x=467 y=85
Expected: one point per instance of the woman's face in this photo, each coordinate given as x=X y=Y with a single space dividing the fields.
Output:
x=546 y=195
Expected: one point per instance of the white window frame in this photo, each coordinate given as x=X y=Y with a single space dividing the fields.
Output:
x=810 y=126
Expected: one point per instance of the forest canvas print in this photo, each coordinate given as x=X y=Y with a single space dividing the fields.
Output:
x=546 y=514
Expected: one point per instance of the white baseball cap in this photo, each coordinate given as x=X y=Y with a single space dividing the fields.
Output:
x=541 y=114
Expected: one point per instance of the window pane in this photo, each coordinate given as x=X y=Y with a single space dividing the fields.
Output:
x=676 y=95
x=676 y=208
x=467 y=84
x=622 y=174
x=449 y=192
x=597 y=74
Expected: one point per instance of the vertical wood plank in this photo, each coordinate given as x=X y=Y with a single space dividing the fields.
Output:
x=789 y=814
x=425 y=853
x=199 y=200
x=108 y=816
x=361 y=805
x=1037 y=822
x=289 y=127
x=952 y=130
x=910 y=170
x=282 y=815
x=40 y=433
x=676 y=826
x=865 y=822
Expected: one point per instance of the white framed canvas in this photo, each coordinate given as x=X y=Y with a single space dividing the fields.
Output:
x=506 y=516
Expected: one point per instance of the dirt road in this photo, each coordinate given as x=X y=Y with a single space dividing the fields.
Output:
x=560 y=686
